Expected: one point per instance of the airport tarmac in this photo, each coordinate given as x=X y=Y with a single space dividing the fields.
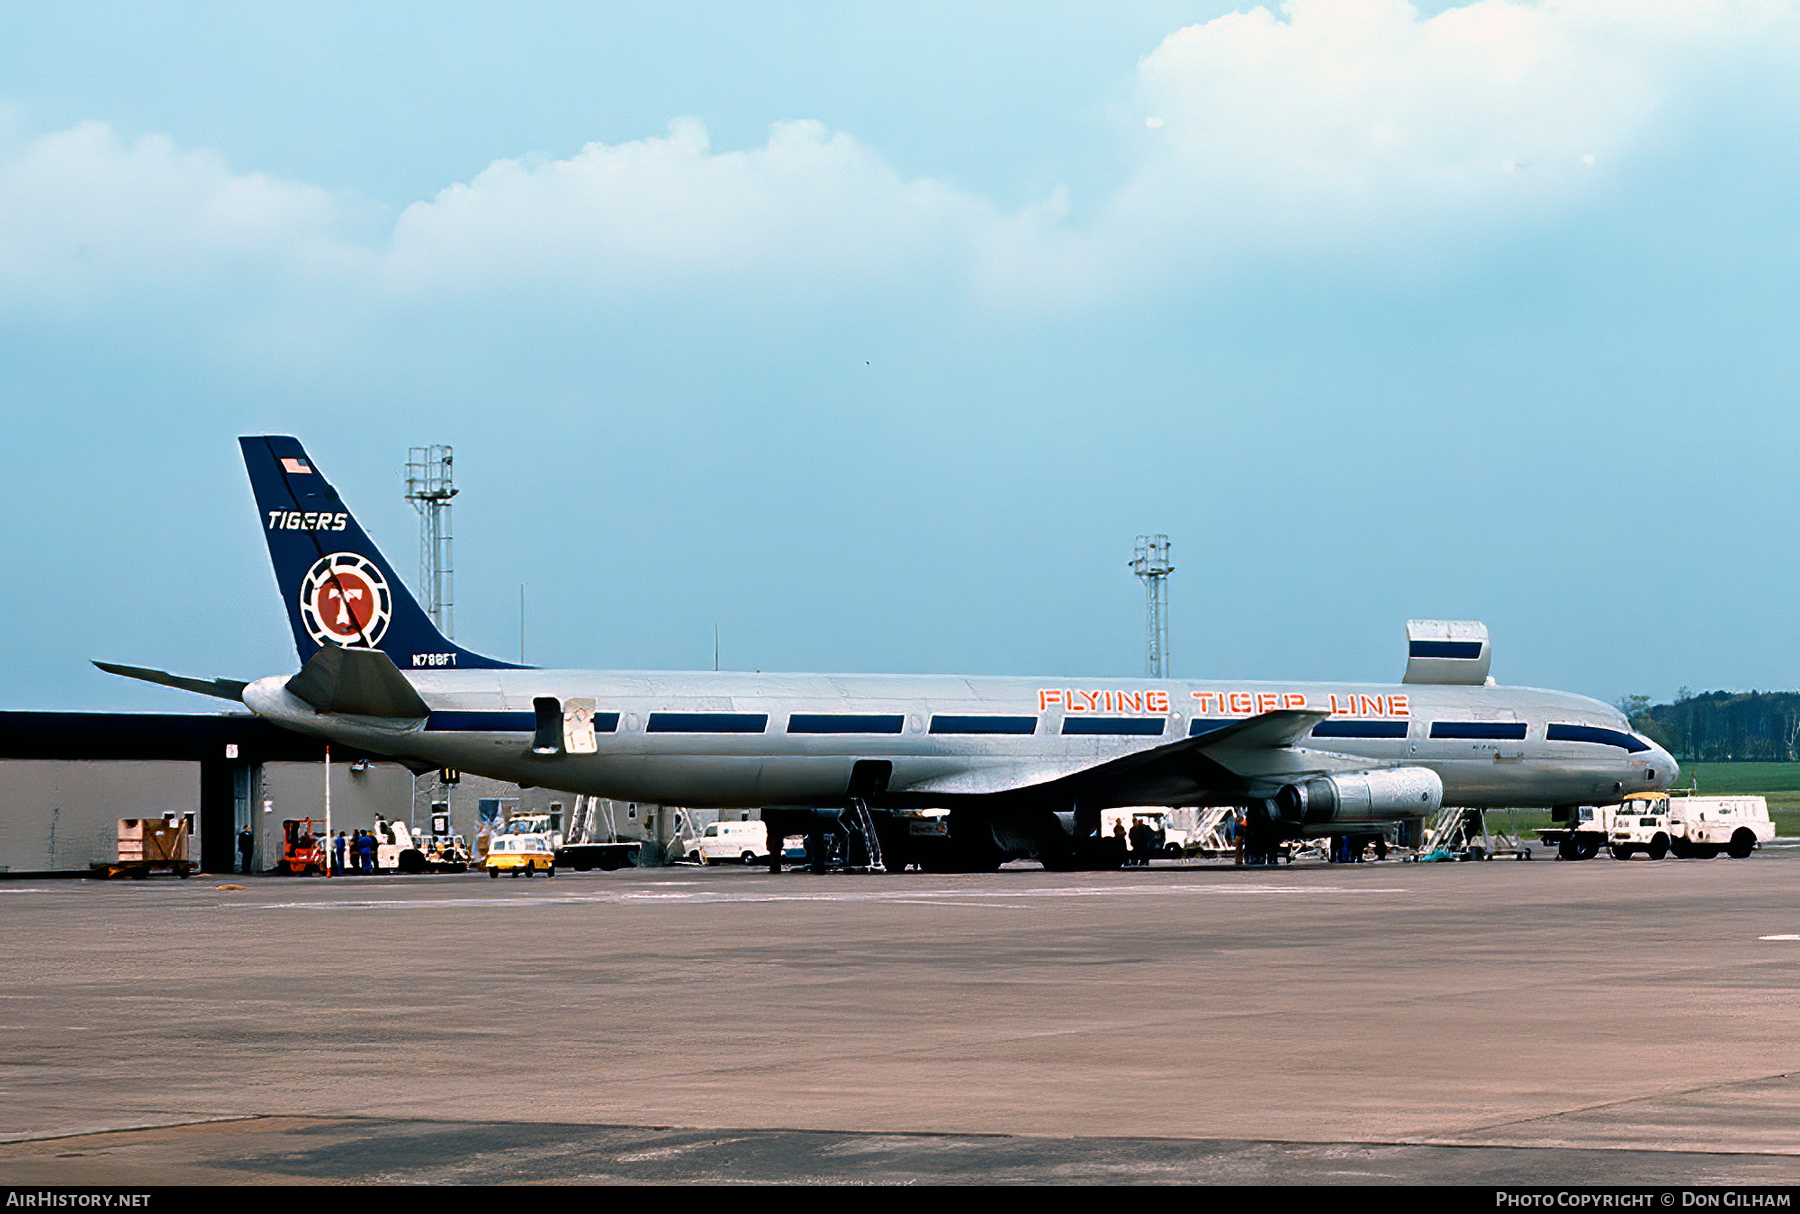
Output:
x=1488 y=1023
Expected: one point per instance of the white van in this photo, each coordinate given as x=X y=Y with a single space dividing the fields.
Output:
x=745 y=841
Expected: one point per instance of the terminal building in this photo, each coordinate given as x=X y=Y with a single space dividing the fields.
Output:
x=67 y=778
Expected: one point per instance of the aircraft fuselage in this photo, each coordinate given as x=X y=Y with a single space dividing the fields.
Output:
x=731 y=740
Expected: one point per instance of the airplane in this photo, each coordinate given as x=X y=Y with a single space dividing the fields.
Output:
x=946 y=772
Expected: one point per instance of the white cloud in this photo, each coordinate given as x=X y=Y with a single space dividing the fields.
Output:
x=1353 y=126
x=1336 y=128
x=812 y=209
x=85 y=215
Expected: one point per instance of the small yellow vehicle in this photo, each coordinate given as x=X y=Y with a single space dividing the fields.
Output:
x=515 y=854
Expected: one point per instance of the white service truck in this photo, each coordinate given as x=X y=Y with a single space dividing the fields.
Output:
x=1690 y=827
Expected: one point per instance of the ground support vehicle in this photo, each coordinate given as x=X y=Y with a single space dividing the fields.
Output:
x=608 y=857
x=1163 y=839
x=1689 y=827
x=1463 y=834
x=303 y=845
x=397 y=851
x=147 y=845
x=747 y=842
x=445 y=853
x=1581 y=833
x=515 y=854
x=593 y=839
x=1215 y=832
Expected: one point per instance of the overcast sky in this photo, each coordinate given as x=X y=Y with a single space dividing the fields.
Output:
x=873 y=334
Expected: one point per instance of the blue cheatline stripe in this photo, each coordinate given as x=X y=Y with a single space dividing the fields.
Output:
x=1148 y=727
x=846 y=722
x=459 y=721
x=1468 y=650
x=1593 y=733
x=707 y=722
x=486 y=722
x=1359 y=729
x=1202 y=725
x=1510 y=731
x=959 y=724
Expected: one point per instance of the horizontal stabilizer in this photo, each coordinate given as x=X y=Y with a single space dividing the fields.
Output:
x=224 y=689
x=360 y=682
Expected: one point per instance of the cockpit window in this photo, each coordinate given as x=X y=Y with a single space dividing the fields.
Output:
x=1593 y=733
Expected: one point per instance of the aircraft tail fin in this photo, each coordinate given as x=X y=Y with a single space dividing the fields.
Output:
x=338 y=588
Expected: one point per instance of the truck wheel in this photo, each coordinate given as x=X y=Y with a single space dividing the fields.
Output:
x=1524 y=853
x=528 y=868
x=1659 y=847
x=551 y=871
x=1621 y=853
x=1586 y=851
x=1706 y=853
x=1566 y=850
x=748 y=857
x=494 y=872
x=1741 y=845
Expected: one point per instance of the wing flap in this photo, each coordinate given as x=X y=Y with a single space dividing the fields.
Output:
x=1221 y=760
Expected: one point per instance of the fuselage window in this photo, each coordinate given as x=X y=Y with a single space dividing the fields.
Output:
x=1359 y=729
x=1510 y=731
x=846 y=722
x=707 y=722
x=941 y=723
x=1144 y=727
x=1593 y=733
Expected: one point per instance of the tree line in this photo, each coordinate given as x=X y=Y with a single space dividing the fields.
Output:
x=1722 y=726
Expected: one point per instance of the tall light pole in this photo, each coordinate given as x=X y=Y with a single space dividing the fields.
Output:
x=429 y=488
x=1151 y=564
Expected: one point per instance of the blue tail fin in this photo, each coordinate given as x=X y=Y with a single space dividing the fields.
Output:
x=338 y=588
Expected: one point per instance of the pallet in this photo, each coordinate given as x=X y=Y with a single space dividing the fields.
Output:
x=140 y=869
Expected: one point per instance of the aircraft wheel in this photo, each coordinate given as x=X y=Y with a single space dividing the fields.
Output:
x=1566 y=850
x=1741 y=845
x=1587 y=851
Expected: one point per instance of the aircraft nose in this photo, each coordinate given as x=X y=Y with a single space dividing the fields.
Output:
x=1667 y=770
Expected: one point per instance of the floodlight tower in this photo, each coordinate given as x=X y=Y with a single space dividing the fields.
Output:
x=429 y=489
x=1151 y=564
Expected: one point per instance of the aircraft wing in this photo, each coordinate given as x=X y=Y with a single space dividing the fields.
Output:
x=1255 y=750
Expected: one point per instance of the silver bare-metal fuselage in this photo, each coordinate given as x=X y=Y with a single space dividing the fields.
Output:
x=694 y=738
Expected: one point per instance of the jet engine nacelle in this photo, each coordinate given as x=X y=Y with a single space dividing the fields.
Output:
x=1390 y=792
